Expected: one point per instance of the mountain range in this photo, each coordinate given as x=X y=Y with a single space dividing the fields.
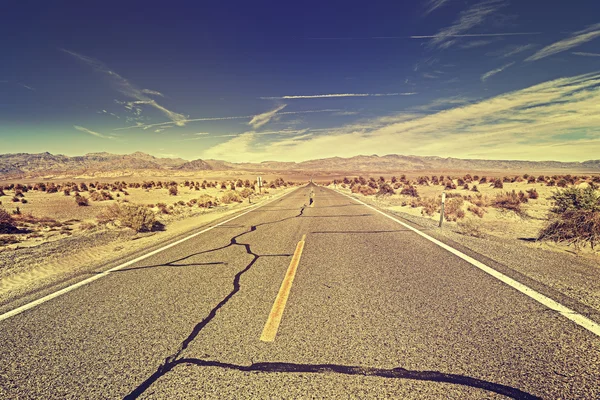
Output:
x=42 y=164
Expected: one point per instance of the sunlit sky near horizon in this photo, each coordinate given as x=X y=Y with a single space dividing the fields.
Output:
x=256 y=81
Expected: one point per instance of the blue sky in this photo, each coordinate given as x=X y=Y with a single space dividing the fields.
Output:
x=256 y=81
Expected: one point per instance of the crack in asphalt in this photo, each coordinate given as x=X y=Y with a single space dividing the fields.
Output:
x=393 y=373
x=171 y=360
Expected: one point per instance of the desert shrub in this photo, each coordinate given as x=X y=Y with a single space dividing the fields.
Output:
x=410 y=190
x=531 y=179
x=508 y=201
x=100 y=196
x=476 y=210
x=2 y=192
x=246 y=192
x=163 y=208
x=23 y=201
x=497 y=184
x=574 y=199
x=385 y=189
x=51 y=188
x=230 y=197
x=19 y=193
x=15 y=199
x=562 y=183
x=136 y=217
x=86 y=226
x=429 y=205
x=576 y=218
x=173 y=190
x=474 y=188
x=533 y=194
x=81 y=200
x=449 y=185
x=7 y=223
x=466 y=186
x=67 y=192
x=453 y=209
x=206 y=201
x=367 y=190
x=483 y=180
x=551 y=182
x=522 y=197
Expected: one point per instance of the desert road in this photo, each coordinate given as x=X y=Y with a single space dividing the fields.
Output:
x=291 y=300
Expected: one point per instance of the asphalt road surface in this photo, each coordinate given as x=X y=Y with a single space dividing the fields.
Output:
x=374 y=311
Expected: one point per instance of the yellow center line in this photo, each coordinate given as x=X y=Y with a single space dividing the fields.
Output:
x=270 y=330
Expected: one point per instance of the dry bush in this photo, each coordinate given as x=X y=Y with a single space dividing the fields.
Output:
x=7 y=223
x=474 y=188
x=410 y=191
x=453 y=209
x=522 y=197
x=81 y=200
x=173 y=190
x=100 y=196
x=206 y=201
x=230 y=197
x=246 y=192
x=136 y=217
x=449 y=185
x=533 y=194
x=29 y=218
x=430 y=205
x=508 y=201
x=385 y=189
x=479 y=211
x=498 y=184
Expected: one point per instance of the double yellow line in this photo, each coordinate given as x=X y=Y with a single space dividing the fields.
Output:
x=270 y=330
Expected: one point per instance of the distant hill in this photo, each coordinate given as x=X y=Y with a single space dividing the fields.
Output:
x=43 y=164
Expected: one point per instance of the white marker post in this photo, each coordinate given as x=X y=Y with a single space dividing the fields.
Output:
x=442 y=211
x=259 y=183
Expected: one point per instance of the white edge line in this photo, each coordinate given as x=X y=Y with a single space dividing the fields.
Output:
x=540 y=298
x=74 y=286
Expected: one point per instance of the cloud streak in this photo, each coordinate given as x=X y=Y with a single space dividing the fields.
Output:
x=89 y=131
x=578 y=38
x=473 y=16
x=493 y=72
x=433 y=5
x=336 y=95
x=128 y=89
x=584 y=54
x=262 y=119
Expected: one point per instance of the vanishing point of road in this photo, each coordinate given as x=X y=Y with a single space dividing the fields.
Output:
x=292 y=300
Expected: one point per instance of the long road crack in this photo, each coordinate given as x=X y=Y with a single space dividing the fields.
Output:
x=172 y=360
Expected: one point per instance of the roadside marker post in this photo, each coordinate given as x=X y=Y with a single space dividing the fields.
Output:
x=259 y=183
x=442 y=211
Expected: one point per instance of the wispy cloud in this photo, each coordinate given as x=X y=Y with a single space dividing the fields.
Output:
x=433 y=5
x=86 y=130
x=475 y=43
x=493 y=72
x=516 y=50
x=531 y=123
x=470 y=35
x=154 y=92
x=128 y=89
x=580 y=53
x=468 y=19
x=334 y=95
x=19 y=84
x=577 y=39
x=261 y=119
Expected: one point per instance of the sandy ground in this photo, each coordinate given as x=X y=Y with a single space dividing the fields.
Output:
x=75 y=243
x=509 y=238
